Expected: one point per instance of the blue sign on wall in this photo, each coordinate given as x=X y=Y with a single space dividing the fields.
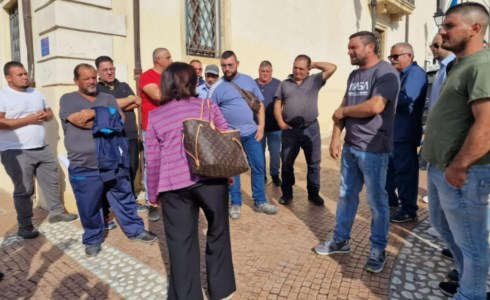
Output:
x=45 y=46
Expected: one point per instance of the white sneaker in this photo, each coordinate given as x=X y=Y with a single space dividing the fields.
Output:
x=235 y=212
x=425 y=199
x=432 y=231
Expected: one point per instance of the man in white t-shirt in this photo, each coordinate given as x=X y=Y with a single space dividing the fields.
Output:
x=23 y=149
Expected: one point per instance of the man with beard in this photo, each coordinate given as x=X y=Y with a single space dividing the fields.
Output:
x=457 y=145
x=367 y=113
x=211 y=75
x=77 y=114
x=240 y=116
x=445 y=59
x=25 y=154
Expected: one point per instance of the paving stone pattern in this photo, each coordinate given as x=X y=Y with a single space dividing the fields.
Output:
x=272 y=254
x=420 y=266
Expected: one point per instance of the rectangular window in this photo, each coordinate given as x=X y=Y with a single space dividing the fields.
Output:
x=14 y=32
x=202 y=27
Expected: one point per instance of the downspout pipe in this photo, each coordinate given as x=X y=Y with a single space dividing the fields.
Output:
x=137 y=50
x=137 y=72
x=27 y=17
x=374 y=3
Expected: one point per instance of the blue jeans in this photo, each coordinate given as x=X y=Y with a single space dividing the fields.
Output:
x=255 y=157
x=460 y=216
x=273 y=140
x=358 y=168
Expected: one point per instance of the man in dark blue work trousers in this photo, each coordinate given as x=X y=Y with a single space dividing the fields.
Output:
x=90 y=182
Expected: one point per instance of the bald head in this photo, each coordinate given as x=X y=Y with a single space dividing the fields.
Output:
x=161 y=59
x=158 y=52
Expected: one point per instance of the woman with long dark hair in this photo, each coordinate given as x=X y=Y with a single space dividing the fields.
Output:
x=181 y=194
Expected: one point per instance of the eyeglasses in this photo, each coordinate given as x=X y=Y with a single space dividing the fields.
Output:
x=107 y=70
x=395 y=56
x=435 y=46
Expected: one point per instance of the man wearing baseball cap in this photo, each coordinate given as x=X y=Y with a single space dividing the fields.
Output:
x=211 y=74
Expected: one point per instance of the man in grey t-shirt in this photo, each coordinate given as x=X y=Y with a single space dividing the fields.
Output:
x=77 y=117
x=367 y=113
x=296 y=110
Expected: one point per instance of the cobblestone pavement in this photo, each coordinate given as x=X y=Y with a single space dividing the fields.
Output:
x=272 y=254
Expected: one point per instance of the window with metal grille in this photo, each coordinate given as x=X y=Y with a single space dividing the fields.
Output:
x=14 y=32
x=202 y=27
x=380 y=41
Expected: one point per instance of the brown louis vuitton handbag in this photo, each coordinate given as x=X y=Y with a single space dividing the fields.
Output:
x=211 y=152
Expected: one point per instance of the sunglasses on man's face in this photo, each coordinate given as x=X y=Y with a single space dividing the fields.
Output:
x=435 y=46
x=395 y=56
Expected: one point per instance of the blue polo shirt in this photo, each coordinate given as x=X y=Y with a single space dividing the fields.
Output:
x=232 y=105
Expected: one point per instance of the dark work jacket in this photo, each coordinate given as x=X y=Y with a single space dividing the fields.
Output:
x=112 y=145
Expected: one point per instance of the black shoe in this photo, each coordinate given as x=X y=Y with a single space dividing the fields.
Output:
x=28 y=232
x=145 y=237
x=393 y=210
x=449 y=288
x=276 y=181
x=316 y=199
x=92 y=250
x=1 y=276
x=285 y=199
x=402 y=217
x=153 y=214
x=453 y=275
x=64 y=217
x=447 y=254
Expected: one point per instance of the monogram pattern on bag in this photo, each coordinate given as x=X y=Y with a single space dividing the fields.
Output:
x=211 y=152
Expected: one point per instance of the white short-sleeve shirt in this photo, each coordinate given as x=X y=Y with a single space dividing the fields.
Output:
x=17 y=105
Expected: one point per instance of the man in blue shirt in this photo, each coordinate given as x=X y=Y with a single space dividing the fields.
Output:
x=197 y=65
x=403 y=167
x=211 y=75
x=444 y=57
x=240 y=116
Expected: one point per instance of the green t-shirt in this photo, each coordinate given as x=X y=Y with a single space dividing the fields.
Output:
x=451 y=118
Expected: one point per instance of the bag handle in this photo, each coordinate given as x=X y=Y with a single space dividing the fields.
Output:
x=210 y=115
